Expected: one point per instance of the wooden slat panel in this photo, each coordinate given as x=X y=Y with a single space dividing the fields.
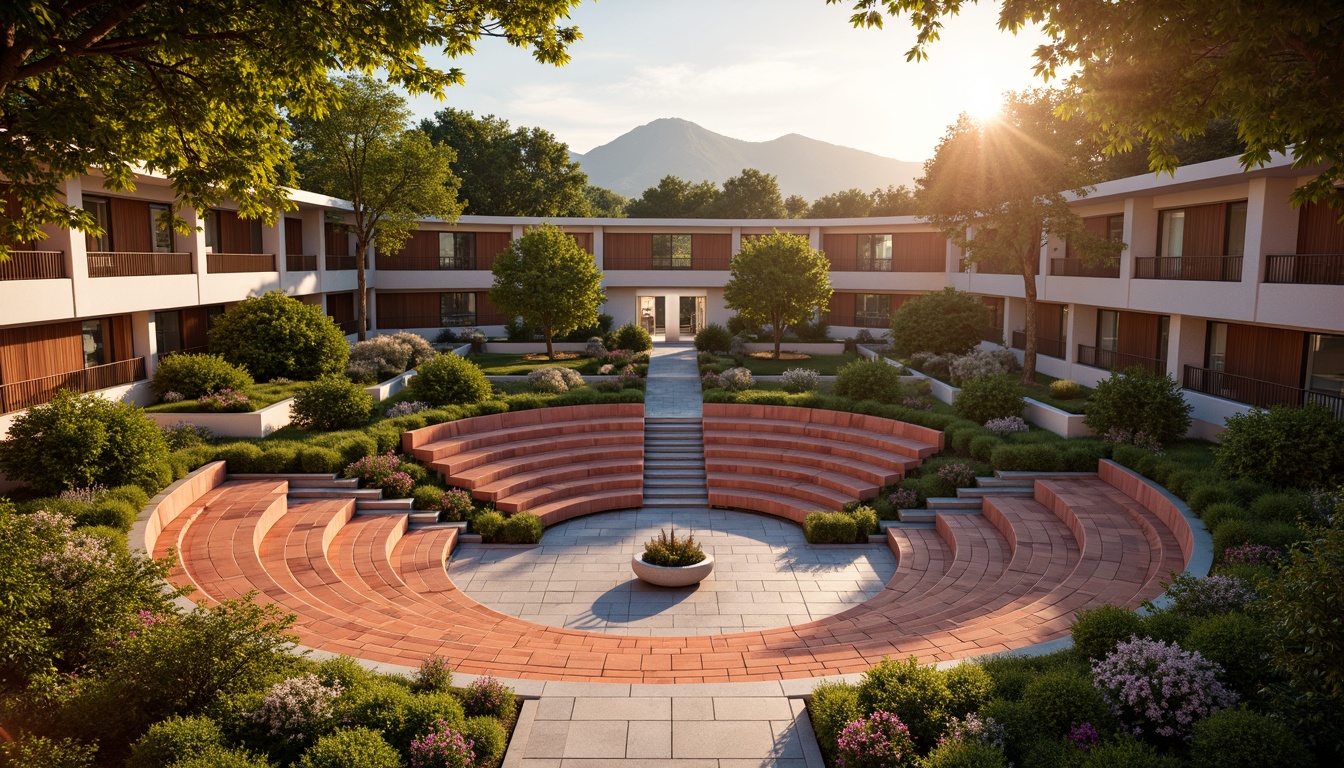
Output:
x=294 y=235
x=918 y=252
x=840 y=249
x=486 y=312
x=623 y=250
x=408 y=310
x=1267 y=354
x=341 y=306
x=711 y=252
x=40 y=350
x=195 y=326
x=1094 y=224
x=235 y=234
x=585 y=241
x=119 y=338
x=1050 y=321
x=1318 y=230
x=130 y=225
x=488 y=246
x=1204 y=230
x=338 y=240
x=842 y=308
x=1138 y=335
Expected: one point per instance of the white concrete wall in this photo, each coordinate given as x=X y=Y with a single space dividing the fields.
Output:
x=256 y=424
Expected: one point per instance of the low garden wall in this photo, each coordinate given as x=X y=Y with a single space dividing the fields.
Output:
x=1193 y=537
x=170 y=502
x=806 y=348
x=383 y=390
x=533 y=347
x=256 y=424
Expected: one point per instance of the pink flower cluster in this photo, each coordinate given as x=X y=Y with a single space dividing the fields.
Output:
x=879 y=740
x=1157 y=688
x=1252 y=554
x=619 y=357
x=903 y=498
x=1084 y=736
x=442 y=747
x=225 y=401
x=485 y=696
x=382 y=472
x=1209 y=596
x=984 y=730
x=959 y=475
x=295 y=706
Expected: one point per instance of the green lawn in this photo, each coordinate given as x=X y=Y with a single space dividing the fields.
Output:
x=826 y=365
x=262 y=395
x=1040 y=391
x=501 y=364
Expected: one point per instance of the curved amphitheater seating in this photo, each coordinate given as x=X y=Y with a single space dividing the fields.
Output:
x=790 y=461
x=973 y=584
x=555 y=462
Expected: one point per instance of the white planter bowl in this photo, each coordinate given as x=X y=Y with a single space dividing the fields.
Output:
x=668 y=576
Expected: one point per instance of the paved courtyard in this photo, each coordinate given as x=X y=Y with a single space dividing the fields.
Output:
x=765 y=575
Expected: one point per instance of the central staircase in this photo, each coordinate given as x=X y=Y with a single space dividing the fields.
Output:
x=674 y=463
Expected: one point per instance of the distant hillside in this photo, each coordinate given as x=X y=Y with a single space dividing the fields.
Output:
x=636 y=161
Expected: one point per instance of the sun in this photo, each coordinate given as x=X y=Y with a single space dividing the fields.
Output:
x=982 y=103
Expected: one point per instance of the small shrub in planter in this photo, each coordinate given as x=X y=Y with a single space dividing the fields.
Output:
x=383 y=472
x=632 y=338
x=737 y=348
x=450 y=380
x=225 y=401
x=1139 y=400
x=276 y=335
x=989 y=397
x=547 y=381
x=876 y=741
x=595 y=348
x=979 y=362
x=1283 y=446
x=191 y=376
x=1240 y=738
x=331 y=402
x=1007 y=425
x=834 y=705
x=318 y=459
x=383 y=357
x=487 y=524
x=488 y=738
x=671 y=552
x=435 y=674
x=521 y=528
x=713 y=338
x=917 y=694
x=351 y=746
x=298 y=709
x=1096 y=631
x=904 y=498
x=799 y=380
x=1160 y=689
x=870 y=380
x=737 y=379
x=488 y=697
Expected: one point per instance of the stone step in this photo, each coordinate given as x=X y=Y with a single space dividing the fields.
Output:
x=675 y=472
x=952 y=502
x=672 y=429
x=302 y=479
x=976 y=493
x=681 y=445
x=423 y=518
x=383 y=505
x=1005 y=482
x=655 y=420
x=674 y=482
x=667 y=493
x=469 y=538
x=336 y=493
x=656 y=455
x=678 y=502
x=917 y=515
x=1013 y=474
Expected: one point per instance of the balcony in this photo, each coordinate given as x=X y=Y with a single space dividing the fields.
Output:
x=1306 y=269
x=424 y=263
x=1261 y=394
x=34 y=265
x=1077 y=268
x=1111 y=360
x=1045 y=346
x=26 y=394
x=234 y=263
x=872 y=320
x=1222 y=269
x=122 y=264
x=299 y=262
x=202 y=349
x=888 y=265
x=339 y=263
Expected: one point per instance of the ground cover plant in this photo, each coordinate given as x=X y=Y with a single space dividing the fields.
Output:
x=257 y=396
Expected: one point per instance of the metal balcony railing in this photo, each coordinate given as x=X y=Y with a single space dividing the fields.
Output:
x=1076 y=268
x=1223 y=269
x=1118 y=361
x=233 y=263
x=1257 y=392
x=1044 y=345
x=26 y=394
x=1306 y=269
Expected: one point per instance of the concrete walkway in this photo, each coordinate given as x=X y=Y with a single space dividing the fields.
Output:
x=673 y=386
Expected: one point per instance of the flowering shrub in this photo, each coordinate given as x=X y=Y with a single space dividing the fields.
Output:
x=406 y=408
x=959 y=475
x=619 y=357
x=297 y=708
x=1007 y=425
x=435 y=674
x=1065 y=389
x=183 y=435
x=488 y=696
x=382 y=472
x=711 y=380
x=904 y=498
x=1210 y=596
x=573 y=379
x=1084 y=736
x=86 y=495
x=1320 y=506
x=1252 y=554
x=457 y=505
x=917 y=404
x=1161 y=689
x=799 y=380
x=172 y=397
x=225 y=401
x=442 y=747
x=630 y=377
x=1139 y=439
x=606 y=370
x=879 y=740
x=978 y=362
x=595 y=348
x=280 y=380
x=975 y=728
x=737 y=348
x=737 y=379
x=547 y=380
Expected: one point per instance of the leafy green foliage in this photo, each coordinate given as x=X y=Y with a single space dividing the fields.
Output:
x=830 y=528
x=917 y=694
x=970 y=686
x=672 y=552
x=487 y=736
x=351 y=746
x=632 y=338
x=488 y=525
x=603 y=203
x=1139 y=400
x=521 y=528
x=275 y=335
x=989 y=397
x=194 y=375
x=833 y=706
x=83 y=440
x=965 y=754
x=1240 y=738
x=674 y=198
x=778 y=279
x=41 y=752
x=331 y=402
x=174 y=739
x=1097 y=630
x=855 y=203
x=941 y=323
x=874 y=379
x=1299 y=447
x=450 y=380
x=1064 y=697
x=549 y=281
x=749 y=195
x=713 y=338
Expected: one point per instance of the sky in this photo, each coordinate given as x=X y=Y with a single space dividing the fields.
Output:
x=750 y=69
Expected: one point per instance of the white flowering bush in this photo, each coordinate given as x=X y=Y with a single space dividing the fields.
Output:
x=1159 y=689
x=547 y=380
x=799 y=380
x=297 y=708
x=572 y=378
x=737 y=379
x=406 y=408
x=595 y=348
x=1007 y=425
x=976 y=363
x=1210 y=596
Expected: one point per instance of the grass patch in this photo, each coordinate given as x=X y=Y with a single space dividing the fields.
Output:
x=1040 y=391
x=505 y=364
x=261 y=395
x=826 y=365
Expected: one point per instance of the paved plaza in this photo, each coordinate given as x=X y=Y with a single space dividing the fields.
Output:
x=765 y=575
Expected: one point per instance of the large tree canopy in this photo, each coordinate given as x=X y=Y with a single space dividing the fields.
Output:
x=198 y=89
x=749 y=195
x=779 y=279
x=674 y=198
x=364 y=151
x=994 y=188
x=509 y=172
x=855 y=203
x=1150 y=72
x=549 y=281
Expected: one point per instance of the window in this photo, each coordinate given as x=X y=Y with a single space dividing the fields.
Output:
x=456 y=309
x=168 y=330
x=212 y=232
x=94 y=353
x=1115 y=227
x=1171 y=234
x=1215 y=347
x=1325 y=363
x=874 y=253
x=1235 y=238
x=872 y=310
x=671 y=251
x=1108 y=330
x=457 y=250
x=212 y=313
x=254 y=230
x=102 y=213
x=1163 y=336
x=160 y=229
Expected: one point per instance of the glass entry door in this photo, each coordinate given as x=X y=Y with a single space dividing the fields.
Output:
x=653 y=314
x=692 y=315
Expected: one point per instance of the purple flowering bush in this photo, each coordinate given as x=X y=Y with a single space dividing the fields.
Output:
x=1191 y=596
x=406 y=408
x=382 y=472
x=1160 y=689
x=225 y=401
x=879 y=740
x=488 y=696
x=984 y=730
x=959 y=475
x=1007 y=425
x=442 y=747
x=297 y=708
x=904 y=498
x=1252 y=554
x=1084 y=736
x=711 y=380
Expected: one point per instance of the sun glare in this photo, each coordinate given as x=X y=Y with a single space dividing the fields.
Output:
x=982 y=103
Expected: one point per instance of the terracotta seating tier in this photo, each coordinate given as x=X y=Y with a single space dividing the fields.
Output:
x=728 y=456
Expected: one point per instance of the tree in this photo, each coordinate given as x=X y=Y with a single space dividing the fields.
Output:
x=1219 y=140
x=947 y=322
x=750 y=195
x=778 y=279
x=894 y=201
x=1158 y=73
x=674 y=198
x=509 y=172
x=275 y=335
x=362 y=151
x=995 y=189
x=795 y=206
x=848 y=204
x=549 y=281
x=195 y=90
x=604 y=203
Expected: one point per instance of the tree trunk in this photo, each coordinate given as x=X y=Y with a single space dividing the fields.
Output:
x=778 y=328
x=362 y=297
x=550 y=348
x=1029 y=292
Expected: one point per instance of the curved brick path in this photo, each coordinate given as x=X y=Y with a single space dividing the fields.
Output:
x=364 y=586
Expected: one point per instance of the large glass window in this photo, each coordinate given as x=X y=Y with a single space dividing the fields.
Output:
x=457 y=250
x=94 y=352
x=1236 y=229
x=874 y=253
x=102 y=213
x=1325 y=363
x=671 y=251
x=168 y=330
x=1108 y=330
x=1115 y=227
x=212 y=231
x=254 y=232
x=872 y=310
x=1215 y=347
x=456 y=309
x=1171 y=234
x=159 y=227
